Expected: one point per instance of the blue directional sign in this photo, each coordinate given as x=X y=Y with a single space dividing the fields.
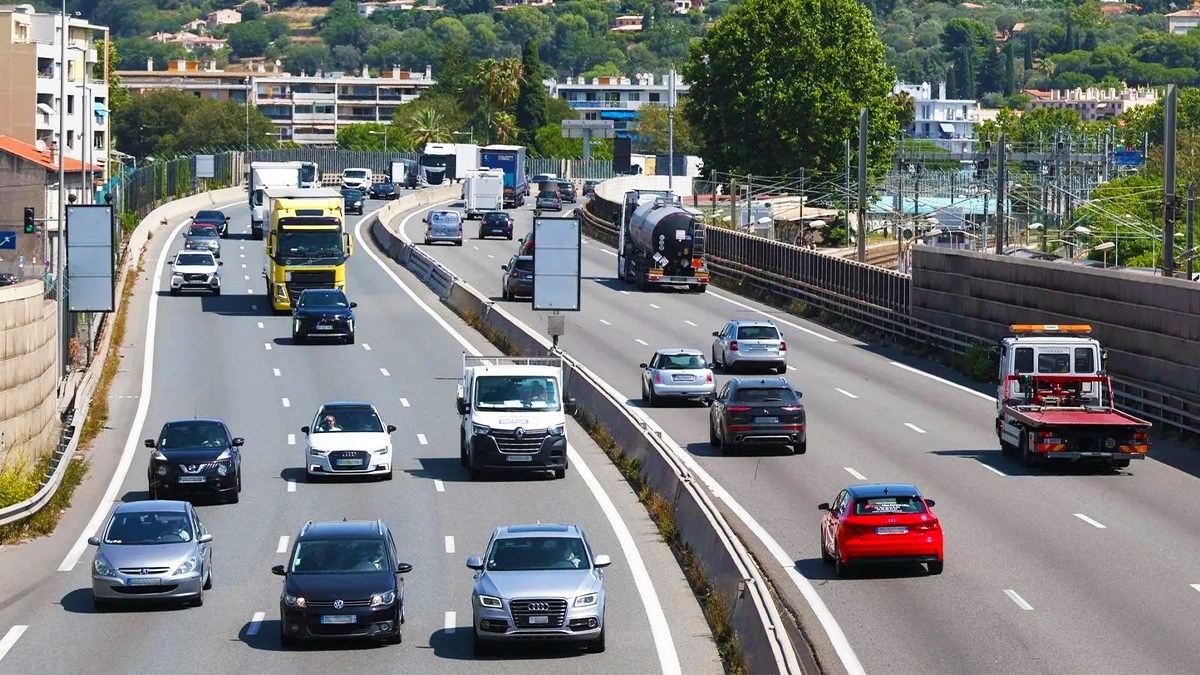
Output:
x=1128 y=158
x=8 y=240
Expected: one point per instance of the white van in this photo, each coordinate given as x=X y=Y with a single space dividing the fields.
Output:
x=358 y=178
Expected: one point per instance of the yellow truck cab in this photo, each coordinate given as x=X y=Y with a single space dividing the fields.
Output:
x=307 y=244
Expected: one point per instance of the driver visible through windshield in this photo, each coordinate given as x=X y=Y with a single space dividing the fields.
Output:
x=516 y=392
x=339 y=556
x=201 y=259
x=147 y=529
x=300 y=245
x=527 y=554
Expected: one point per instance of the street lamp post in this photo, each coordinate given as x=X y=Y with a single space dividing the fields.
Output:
x=1105 y=248
x=64 y=32
x=383 y=133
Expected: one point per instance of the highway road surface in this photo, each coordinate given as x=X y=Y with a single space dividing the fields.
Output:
x=230 y=357
x=1046 y=572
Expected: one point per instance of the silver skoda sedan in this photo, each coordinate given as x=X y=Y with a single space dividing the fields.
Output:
x=152 y=550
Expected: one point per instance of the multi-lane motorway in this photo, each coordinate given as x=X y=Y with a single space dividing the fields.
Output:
x=230 y=357
x=1045 y=572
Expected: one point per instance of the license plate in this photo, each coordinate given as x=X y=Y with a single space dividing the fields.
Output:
x=191 y=479
x=337 y=618
x=891 y=530
x=145 y=582
x=520 y=458
x=539 y=619
x=349 y=462
x=684 y=378
x=324 y=327
x=766 y=420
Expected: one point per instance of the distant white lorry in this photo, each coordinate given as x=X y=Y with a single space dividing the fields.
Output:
x=483 y=191
x=265 y=175
x=444 y=163
x=358 y=178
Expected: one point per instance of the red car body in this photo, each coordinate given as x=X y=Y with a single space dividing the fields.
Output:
x=879 y=524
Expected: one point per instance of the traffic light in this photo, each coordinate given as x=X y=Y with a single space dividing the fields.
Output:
x=30 y=225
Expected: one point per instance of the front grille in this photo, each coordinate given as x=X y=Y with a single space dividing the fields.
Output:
x=149 y=570
x=522 y=610
x=195 y=277
x=363 y=457
x=346 y=603
x=317 y=628
x=508 y=442
x=145 y=590
x=192 y=469
x=325 y=277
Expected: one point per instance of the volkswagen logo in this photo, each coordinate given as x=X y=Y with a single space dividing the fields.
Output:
x=539 y=607
x=144 y=571
x=338 y=604
x=519 y=433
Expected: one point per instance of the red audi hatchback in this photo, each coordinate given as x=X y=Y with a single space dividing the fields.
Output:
x=878 y=524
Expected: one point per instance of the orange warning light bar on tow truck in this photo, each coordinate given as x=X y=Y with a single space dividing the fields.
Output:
x=1049 y=328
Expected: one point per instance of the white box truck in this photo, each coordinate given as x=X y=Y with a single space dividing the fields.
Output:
x=265 y=175
x=483 y=191
x=466 y=159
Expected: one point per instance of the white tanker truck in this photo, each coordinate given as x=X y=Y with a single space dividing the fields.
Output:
x=661 y=243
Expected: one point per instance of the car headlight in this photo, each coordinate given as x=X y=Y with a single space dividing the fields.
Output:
x=294 y=600
x=190 y=565
x=350 y=323
x=158 y=456
x=490 y=601
x=222 y=469
x=176 y=275
x=382 y=451
x=383 y=599
x=314 y=451
x=480 y=430
x=101 y=567
x=161 y=470
x=558 y=430
x=224 y=456
x=297 y=325
x=587 y=600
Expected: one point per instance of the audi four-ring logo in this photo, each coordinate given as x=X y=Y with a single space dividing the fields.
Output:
x=539 y=606
x=338 y=604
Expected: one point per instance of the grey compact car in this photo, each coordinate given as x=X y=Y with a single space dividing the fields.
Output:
x=202 y=237
x=152 y=550
x=677 y=373
x=749 y=343
x=538 y=582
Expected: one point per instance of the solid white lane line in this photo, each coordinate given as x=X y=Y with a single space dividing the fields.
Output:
x=944 y=381
x=438 y=485
x=10 y=638
x=287 y=403
x=690 y=323
x=422 y=440
x=1012 y=595
x=260 y=324
x=384 y=372
x=655 y=306
x=404 y=402
x=660 y=629
x=792 y=368
x=1195 y=586
x=854 y=473
x=366 y=346
x=255 y=623
x=605 y=322
x=276 y=371
x=1089 y=521
x=282 y=547
x=291 y=486
x=291 y=439
x=773 y=317
x=914 y=427
x=267 y=346
x=449 y=544
x=642 y=342
x=845 y=393
x=451 y=623
x=993 y=469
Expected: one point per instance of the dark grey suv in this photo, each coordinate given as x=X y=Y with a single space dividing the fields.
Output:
x=518 y=277
x=764 y=411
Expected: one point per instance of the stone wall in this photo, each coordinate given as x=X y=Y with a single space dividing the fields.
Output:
x=28 y=368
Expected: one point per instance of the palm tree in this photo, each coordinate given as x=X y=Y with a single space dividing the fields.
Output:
x=428 y=127
x=504 y=125
x=906 y=108
x=1048 y=66
x=507 y=86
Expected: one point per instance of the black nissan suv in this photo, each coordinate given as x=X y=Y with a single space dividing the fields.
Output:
x=195 y=457
x=323 y=313
x=342 y=581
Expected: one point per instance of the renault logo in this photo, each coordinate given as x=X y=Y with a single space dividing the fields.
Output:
x=338 y=604
x=519 y=433
x=539 y=606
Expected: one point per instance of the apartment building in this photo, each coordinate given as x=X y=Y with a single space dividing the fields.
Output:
x=616 y=98
x=950 y=123
x=201 y=80
x=1094 y=103
x=31 y=84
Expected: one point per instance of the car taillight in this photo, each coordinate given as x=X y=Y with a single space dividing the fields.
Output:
x=926 y=527
x=708 y=377
x=733 y=346
x=783 y=346
x=516 y=274
x=658 y=377
x=1140 y=438
x=739 y=408
x=1048 y=438
x=854 y=528
x=792 y=408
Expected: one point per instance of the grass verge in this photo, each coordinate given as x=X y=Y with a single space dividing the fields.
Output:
x=45 y=520
x=98 y=411
x=498 y=339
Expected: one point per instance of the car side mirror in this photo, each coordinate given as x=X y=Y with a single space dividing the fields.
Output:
x=930 y=503
x=403 y=568
x=391 y=428
x=205 y=538
x=150 y=443
x=643 y=366
x=220 y=262
x=279 y=571
x=474 y=563
x=570 y=407
x=238 y=442
x=304 y=430
x=424 y=220
x=353 y=305
x=93 y=541
x=601 y=560
x=823 y=506
x=461 y=405
x=504 y=267
x=716 y=334
x=799 y=394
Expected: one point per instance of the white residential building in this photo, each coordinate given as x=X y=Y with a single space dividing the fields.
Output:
x=616 y=98
x=948 y=122
x=1094 y=103
x=1179 y=23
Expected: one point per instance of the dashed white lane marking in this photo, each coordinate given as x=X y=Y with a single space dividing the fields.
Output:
x=260 y=324
x=404 y=402
x=491 y=256
x=291 y=486
x=854 y=473
x=914 y=427
x=845 y=393
x=282 y=547
x=384 y=372
x=690 y=323
x=1012 y=595
x=1096 y=524
x=449 y=544
x=642 y=342
x=475 y=247
x=451 y=623
x=287 y=403
x=439 y=485
x=267 y=346
x=276 y=371
x=613 y=254
x=606 y=323
x=792 y=368
x=246 y=276
x=366 y=346
x=944 y=381
x=244 y=267
x=10 y=638
x=422 y=440
x=250 y=291
x=1195 y=586
x=993 y=469
x=291 y=439
x=655 y=306
x=255 y=623
x=773 y=317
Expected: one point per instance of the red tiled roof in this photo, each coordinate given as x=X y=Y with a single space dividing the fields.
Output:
x=42 y=158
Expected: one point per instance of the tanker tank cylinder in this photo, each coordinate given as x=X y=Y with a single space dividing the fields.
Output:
x=667 y=232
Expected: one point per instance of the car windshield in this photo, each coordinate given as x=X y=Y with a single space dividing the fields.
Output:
x=516 y=392
x=547 y=194
x=757 y=333
x=351 y=194
x=202 y=231
x=496 y=215
x=323 y=300
x=886 y=506
x=339 y=556
x=523 y=264
x=520 y=554
x=680 y=361
x=192 y=435
x=764 y=395
x=351 y=420
x=209 y=215
x=149 y=528
x=355 y=173
x=201 y=259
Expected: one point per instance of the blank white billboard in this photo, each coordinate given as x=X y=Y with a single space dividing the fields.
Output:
x=91 y=267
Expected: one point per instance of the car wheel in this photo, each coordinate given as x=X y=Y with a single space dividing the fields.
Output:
x=478 y=646
x=174 y=291
x=394 y=639
x=505 y=295
x=387 y=476
x=458 y=243
x=216 y=291
x=645 y=397
x=208 y=580
x=462 y=447
x=560 y=473
x=825 y=557
x=597 y=646
x=715 y=362
x=476 y=474
x=800 y=448
x=510 y=236
x=936 y=566
x=713 y=439
x=842 y=569
x=101 y=605
x=285 y=640
x=198 y=601
x=651 y=399
x=350 y=339
x=297 y=338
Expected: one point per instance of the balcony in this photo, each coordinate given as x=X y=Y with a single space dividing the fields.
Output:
x=357 y=118
x=316 y=139
x=310 y=118
x=604 y=105
x=314 y=97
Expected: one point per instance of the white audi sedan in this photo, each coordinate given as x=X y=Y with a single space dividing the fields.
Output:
x=348 y=438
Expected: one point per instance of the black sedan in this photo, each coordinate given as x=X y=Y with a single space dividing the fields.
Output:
x=195 y=457
x=765 y=411
x=385 y=190
x=215 y=218
x=323 y=313
x=496 y=224
x=354 y=200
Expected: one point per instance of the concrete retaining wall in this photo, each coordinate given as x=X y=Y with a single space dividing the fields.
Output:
x=1150 y=325
x=28 y=373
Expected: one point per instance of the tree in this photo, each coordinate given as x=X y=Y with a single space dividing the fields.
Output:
x=428 y=127
x=167 y=123
x=135 y=51
x=906 y=108
x=551 y=144
x=369 y=137
x=249 y=39
x=251 y=12
x=307 y=58
x=766 y=106
x=504 y=125
x=531 y=96
x=653 y=135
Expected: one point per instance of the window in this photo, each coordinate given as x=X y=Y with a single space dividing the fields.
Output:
x=765 y=395
x=654 y=97
x=680 y=361
x=339 y=556
x=516 y=392
x=887 y=506
x=635 y=96
x=1054 y=363
x=757 y=333
x=70 y=105
x=1085 y=360
x=1023 y=360
x=70 y=139
x=538 y=553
